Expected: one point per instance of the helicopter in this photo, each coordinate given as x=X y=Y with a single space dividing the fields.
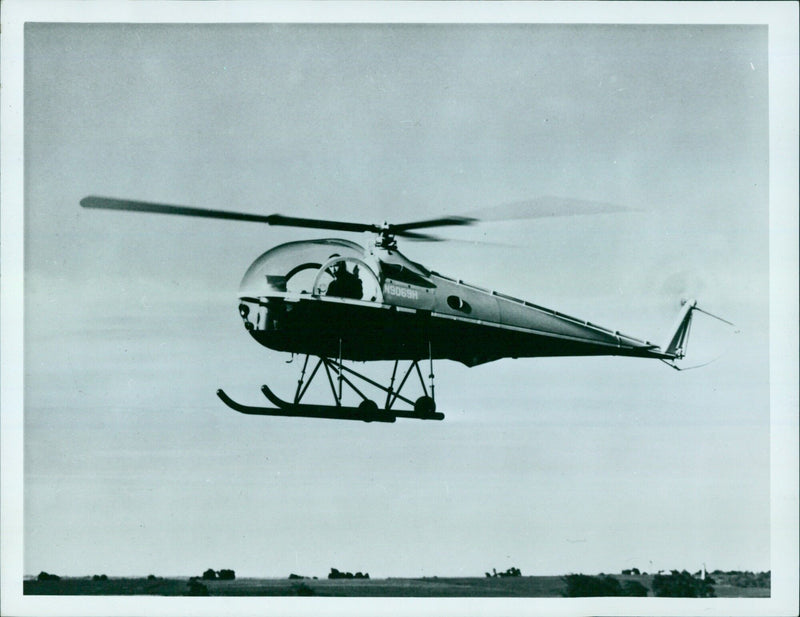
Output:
x=335 y=300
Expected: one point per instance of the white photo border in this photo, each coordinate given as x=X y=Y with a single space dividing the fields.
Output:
x=781 y=19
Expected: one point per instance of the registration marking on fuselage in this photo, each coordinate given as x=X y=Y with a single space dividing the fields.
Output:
x=401 y=292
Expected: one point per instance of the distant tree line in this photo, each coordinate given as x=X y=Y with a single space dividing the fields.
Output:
x=739 y=578
x=674 y=585
x=335 y=574
x=512 y=571
x=583 y=586
x=222 y=575
x=682 y=585
x=632 y=572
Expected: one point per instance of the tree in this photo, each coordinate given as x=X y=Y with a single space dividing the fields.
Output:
x=582 y=585
x=634 y=588
x=303 y=589
x=682 y=585
x=227 y=575
x=209 y=575
x=197 y=588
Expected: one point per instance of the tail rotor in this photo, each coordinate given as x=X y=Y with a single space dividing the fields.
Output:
x=676 y=346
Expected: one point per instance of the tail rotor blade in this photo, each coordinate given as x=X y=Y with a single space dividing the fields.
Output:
x=697 y=308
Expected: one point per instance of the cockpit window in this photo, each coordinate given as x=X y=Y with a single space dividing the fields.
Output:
x=300 y=279
x=323 y=268
x=293 y=267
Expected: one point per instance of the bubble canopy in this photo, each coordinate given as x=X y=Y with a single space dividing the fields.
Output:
x=310 y=267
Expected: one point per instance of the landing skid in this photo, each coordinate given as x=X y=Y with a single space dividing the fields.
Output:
x=424 y=408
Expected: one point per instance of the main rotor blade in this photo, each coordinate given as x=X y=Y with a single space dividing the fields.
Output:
x=109 y=203
x=413 y=235
x=293 y=221
x=534 y=208
x=545 y=207
x=440 y=222
x=542 y=207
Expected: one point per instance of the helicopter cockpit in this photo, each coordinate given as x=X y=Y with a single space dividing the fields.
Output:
x=323 y=268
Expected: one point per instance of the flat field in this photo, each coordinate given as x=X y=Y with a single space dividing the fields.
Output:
x=433 y=587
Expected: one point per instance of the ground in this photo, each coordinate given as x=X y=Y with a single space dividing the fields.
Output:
x=522 y=586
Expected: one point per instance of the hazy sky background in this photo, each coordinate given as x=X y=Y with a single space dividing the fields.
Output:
x=133 y=466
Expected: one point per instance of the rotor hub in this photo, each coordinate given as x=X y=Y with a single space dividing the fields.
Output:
x=386 y=239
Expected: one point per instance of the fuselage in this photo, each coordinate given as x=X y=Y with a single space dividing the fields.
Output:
x=334 y=298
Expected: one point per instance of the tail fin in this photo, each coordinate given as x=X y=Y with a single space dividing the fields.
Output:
x=676 y=346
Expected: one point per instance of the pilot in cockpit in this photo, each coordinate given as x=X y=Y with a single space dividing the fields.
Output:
x=345 y=284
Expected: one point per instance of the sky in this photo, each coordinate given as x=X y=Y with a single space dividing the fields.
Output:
x=132 y=465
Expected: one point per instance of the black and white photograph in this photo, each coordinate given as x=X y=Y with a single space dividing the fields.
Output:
x=399 y=308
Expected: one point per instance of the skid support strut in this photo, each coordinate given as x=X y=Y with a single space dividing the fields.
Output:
x=424 y=408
